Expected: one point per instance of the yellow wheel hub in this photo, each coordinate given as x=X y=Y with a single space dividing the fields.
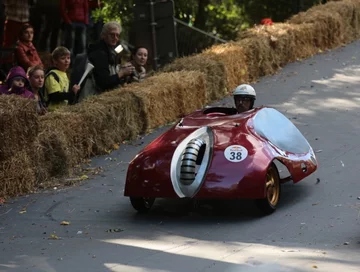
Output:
x=272 y=186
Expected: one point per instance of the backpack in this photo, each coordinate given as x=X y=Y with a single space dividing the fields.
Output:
x=42 y=92
x=88 y=86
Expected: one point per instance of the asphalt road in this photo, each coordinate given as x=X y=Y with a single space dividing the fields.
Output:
x=316 y=227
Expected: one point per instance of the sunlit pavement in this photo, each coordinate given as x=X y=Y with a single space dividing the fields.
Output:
x=316 y=227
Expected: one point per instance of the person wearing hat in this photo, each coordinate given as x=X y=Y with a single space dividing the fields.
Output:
x=244 y=97
x=17 y=83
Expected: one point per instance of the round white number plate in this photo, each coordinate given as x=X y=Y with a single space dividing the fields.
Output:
x=235 y=153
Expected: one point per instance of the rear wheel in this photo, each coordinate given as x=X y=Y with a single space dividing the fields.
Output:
x=273 y=190
x=142 y=204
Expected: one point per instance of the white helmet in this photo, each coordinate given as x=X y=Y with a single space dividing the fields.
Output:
x=246 y=90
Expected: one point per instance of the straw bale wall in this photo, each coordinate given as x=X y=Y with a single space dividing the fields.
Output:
x=37 y=148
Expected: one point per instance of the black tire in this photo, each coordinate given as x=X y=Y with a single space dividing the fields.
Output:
x=142 y=204
x=268 y=204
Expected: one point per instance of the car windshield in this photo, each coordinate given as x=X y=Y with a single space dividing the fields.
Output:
x=280 y=131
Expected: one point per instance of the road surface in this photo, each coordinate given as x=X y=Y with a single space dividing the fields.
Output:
x=316 y=227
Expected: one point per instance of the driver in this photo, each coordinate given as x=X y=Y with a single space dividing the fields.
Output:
x=244 y=97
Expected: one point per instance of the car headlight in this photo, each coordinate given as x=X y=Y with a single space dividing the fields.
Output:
x=190 y=162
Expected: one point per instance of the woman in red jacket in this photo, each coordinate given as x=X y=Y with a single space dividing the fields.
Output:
x=25 y=52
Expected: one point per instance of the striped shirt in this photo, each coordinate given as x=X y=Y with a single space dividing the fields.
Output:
x=17 y=10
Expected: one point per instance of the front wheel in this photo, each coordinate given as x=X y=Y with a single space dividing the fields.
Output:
x=142 y=204
x=273 y=190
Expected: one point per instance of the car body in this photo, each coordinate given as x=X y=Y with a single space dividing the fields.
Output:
x=218 y=153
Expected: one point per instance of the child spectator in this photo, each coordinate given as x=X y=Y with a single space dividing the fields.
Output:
x=36 y=76
x=57 y=83
x=25 y=52
x=17 y=83
x=138 y=60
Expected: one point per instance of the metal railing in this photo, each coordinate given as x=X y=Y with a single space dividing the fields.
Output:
x=193 y=40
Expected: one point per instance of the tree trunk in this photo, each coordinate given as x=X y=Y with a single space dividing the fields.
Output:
x=200 y=19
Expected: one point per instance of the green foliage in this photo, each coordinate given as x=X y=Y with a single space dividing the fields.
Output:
x=224 y=18
x=277 y=10
x=115 y=10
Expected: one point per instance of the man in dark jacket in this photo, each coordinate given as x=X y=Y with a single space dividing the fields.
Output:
x=108 y=74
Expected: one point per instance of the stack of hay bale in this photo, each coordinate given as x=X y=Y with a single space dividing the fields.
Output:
x=34 y=149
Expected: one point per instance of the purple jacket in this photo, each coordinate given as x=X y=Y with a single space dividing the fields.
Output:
x=24 y=91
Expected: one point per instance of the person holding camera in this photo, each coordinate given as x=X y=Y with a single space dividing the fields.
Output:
x=138 y=59
x=108 y=73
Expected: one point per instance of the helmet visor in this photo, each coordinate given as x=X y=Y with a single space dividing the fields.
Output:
x=243 y=103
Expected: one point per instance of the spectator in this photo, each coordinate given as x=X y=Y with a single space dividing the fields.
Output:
x=94 y=28
x=2 y=21
x=107 y=72
x=17 y=83
x=17 y=14
x=36 y=76
x=46 y=13
x=25 y=52
x=75 y=14
x=57 y=83
x=138 y=60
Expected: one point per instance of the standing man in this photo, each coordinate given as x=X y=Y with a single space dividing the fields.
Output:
x=75 y=14
x=17 y=14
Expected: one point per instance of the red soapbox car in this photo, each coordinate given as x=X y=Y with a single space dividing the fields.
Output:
x=218 y=153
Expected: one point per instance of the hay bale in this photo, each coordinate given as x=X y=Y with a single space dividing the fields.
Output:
x=19 y=124
x=334 y=23
x=17 y=174
x=261 y=58
x=288 y=41
x=168 y=96
x=234 y=59
x=110 y=118
x=214 y=70
x=63 y=141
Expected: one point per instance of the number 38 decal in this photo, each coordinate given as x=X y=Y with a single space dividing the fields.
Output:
x=235 y=153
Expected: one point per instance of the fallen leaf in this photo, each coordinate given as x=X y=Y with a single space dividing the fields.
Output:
x=314 y=204
x=116 y=146
x=23 y=211
x=107 y=151
x=53 y=237
x=2 y=200
x=84 y=177
x=114 y=230
x=65 y=223
x=314 y=266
